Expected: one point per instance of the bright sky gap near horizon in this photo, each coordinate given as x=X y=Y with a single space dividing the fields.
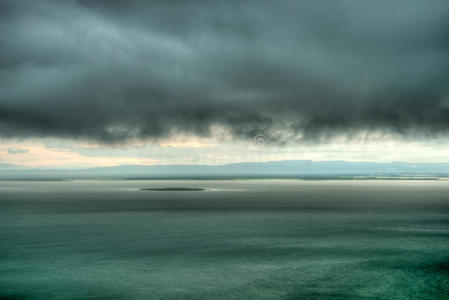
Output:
x=100 y=83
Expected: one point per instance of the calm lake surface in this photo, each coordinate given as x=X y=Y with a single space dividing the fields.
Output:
x=238 y=239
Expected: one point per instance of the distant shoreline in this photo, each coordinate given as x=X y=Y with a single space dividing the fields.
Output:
x=207 y=178
x=174 y=189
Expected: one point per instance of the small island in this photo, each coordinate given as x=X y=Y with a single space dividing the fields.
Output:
x=174 y=189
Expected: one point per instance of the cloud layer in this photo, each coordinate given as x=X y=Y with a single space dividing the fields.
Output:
x=116 y=70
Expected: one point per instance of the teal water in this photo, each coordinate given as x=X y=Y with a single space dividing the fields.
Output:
x=250 y=239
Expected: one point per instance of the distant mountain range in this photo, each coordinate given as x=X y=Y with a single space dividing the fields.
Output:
x=295 y=168
x=10 y=167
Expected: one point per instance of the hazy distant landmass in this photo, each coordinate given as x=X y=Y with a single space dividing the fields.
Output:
x=286 y=169
x=174 y=189
x=10 y=167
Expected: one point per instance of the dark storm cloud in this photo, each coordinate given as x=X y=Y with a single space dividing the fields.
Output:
x=114 y=70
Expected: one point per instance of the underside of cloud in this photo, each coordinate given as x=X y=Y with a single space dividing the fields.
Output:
x=307 y=70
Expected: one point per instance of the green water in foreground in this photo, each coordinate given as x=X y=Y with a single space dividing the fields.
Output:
x=249 y=239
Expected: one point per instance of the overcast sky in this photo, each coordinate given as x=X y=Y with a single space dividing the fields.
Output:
x=298 y=72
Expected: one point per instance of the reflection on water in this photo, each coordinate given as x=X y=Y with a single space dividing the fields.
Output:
x=253 y=239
